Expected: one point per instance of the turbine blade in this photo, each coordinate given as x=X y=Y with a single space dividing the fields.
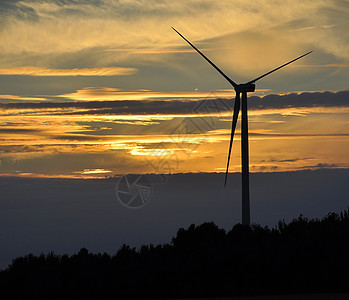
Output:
x=233 y=126
x=209 y=61
x=254 y=80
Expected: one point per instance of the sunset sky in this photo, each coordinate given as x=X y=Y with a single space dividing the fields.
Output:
x=103 y=88
x=94 y=90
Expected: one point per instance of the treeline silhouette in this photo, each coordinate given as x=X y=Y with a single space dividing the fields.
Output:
x=304 y=256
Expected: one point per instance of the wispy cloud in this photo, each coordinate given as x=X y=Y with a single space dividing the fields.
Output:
x=35 y=71
x=108 y=93
x=55 y=27
x=93 y=171
x=335 y=65
x=21 y=98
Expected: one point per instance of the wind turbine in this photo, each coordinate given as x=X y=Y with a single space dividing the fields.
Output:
x=243 y=89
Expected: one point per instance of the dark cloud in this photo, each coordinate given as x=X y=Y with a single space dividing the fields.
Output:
x=110 y=107
x=286 y=160
x=18 y=130
x=297 y=135
x=306 y=99
x=17 y=5
x=75 y=137
x=11 y=8
x=175 y=106
x=121 y=9
x=21 y=148
x=322 y=166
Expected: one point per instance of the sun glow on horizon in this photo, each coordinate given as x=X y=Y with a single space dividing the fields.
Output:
x=281 y=139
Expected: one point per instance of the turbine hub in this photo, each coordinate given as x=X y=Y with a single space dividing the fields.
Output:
x=245 y=87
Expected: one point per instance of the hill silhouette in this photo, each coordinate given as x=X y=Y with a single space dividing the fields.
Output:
x=303 y=256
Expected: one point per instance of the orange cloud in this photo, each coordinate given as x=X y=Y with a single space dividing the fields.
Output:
x=108 y=93
x=335 y=65
x=36 y=71
x=14 y=97
x=93 y=171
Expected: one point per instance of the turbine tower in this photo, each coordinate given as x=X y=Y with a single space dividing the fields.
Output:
x=242 y=89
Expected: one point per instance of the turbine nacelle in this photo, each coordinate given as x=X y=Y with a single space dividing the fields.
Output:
x=245 y=87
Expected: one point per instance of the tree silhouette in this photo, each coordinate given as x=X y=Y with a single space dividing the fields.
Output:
x=304 y=256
